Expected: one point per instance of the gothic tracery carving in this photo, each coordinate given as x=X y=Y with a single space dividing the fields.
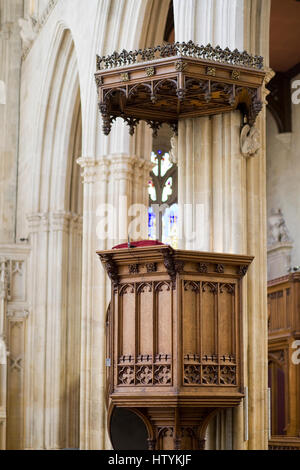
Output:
x=144 y=375
x=192 y=374
x=162 y=375
x=151 y=267
x=126 y=375
x=189 y=49
x=228 y=375
x=210 y=375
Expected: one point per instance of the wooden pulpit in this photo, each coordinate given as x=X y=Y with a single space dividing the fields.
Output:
x=174 y=339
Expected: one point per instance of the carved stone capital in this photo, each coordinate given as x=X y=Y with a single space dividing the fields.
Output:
x=122 y=166
x=38 y=222
x=103 y=169
x=146 y=169
x=33 y=222
x=138 y=165
x=60 y=221
x=88 y=164
x=17 y=314
x=76 y=222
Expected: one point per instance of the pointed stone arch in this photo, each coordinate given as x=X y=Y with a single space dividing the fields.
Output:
x=55 y=227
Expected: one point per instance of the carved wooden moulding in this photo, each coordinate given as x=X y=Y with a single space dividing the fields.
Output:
x=181 y=80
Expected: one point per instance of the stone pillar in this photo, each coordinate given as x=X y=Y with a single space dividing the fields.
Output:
x=53 y=332
x=94 y=304
x=10 y=64
x=107 y=182
x=38 y=229
x=62 y=355
x=230 y=190
x=73 y=336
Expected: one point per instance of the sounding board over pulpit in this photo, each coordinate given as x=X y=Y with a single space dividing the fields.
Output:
x=174 y=338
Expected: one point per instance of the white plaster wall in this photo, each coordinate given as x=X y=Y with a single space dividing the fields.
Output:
x=283 y=175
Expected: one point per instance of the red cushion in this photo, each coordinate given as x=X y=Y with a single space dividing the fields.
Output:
x=136 y=244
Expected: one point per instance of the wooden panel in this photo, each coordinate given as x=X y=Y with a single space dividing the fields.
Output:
x=164 y=318
x=145 y=319
x=208 y=319
x=190 y=317
x=226 y=319
x=127 y=321
x=277 y=310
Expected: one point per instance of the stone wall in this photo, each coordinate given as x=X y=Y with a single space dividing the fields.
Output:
x=283 y=174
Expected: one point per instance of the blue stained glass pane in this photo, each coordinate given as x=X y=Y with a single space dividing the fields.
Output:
x=170 y=226
x=151 y=224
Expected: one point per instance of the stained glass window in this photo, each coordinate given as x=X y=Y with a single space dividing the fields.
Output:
x=163 y=207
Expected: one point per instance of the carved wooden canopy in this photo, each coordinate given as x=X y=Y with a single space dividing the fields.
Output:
x=181 y=80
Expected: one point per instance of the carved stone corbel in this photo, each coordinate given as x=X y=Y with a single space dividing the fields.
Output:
x=249 y=141
x=28 y=31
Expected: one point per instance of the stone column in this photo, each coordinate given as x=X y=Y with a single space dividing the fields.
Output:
x=56 y=330
x=94 y=304
x=51 y=392
x=73 y=332
x=38 y=229
x=10 y=65
x=107 y=182
x=230 y=190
